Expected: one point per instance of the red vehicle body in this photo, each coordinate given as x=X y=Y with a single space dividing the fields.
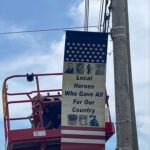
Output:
x=37 y=137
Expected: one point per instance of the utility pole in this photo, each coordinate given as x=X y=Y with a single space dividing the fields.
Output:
x=86 y=16
x=125 y=112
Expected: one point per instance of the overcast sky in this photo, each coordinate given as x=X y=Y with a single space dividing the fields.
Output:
x=42 y=52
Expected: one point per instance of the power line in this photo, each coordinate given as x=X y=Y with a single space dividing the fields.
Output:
x=43 y=30
x=101 y=22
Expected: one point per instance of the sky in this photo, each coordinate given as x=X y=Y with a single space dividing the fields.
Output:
x=42 y=52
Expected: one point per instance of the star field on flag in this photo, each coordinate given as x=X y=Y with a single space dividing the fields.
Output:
x=83 y=92
x=91 y=47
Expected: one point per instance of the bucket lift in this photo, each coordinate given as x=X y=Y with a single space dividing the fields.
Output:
x=43 y=134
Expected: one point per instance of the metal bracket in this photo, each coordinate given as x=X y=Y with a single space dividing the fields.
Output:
x=123 y=121
x=118 y=27
x=124 y=148
x=118 y=31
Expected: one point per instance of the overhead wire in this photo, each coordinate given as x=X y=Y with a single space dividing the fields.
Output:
x=44 y=30
x=101 y=22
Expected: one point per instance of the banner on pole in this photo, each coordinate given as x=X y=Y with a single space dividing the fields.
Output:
x=84 y=73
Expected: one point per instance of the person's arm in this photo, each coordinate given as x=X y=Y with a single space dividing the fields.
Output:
x=49 y=125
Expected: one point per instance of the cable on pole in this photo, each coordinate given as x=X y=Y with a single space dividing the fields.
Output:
x=101 y=15
x=104 y=15
x=110 y=11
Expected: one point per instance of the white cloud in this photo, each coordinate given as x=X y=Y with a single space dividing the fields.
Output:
x=36 y=59
x=140 y=14
x=77 y=13
x=37 y=62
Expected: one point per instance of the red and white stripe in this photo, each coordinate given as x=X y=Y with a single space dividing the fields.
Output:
x=76 y=138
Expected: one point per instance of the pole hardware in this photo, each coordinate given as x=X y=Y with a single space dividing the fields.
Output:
x=123 y=148
x=117 y=31
x=123 y=121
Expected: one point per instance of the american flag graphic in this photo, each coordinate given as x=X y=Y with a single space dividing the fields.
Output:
x=83 y=138
x=84 y=47
x=90 y=47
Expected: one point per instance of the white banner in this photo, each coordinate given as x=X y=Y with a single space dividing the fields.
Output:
x=83 y=100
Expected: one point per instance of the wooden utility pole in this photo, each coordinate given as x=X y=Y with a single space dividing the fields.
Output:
x=125 y=112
